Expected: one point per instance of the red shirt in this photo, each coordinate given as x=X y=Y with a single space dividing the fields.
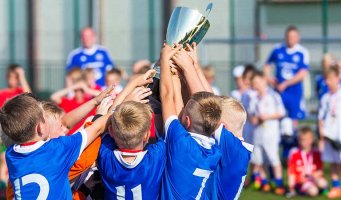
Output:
x=6 y=94
x=303 y=165
x=69 y=104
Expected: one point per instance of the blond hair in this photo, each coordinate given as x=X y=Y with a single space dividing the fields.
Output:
x=204 y=112
x=130 y=122
x=233 y=114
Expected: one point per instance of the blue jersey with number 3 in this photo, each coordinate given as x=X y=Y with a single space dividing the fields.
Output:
x=40 y=171
x=140 y=179
x=191 y=161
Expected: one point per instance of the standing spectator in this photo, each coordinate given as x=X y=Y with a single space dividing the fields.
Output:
x=240 y=86
x=91 y=55
x=292 y=65
x=16 y=83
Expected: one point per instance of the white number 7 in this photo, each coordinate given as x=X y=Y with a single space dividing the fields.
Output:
x=204 y=174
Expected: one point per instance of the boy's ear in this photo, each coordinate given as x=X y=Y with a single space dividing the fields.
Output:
x=187 y=122
x=146 y=137
x=111 y=133
x=41 y=129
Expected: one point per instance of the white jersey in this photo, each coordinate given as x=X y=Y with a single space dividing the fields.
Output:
x=330 y=114
x=248 y=99
x=269 y=104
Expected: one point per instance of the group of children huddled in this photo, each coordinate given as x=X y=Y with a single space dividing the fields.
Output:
x=267 y=126
x=199 y=152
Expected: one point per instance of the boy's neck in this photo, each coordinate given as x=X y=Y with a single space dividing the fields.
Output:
x=131 y=158
x=333 y=90
x=308 y=149
x=262 y=92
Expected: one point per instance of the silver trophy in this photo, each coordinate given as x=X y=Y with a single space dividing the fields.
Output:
x=185 y=26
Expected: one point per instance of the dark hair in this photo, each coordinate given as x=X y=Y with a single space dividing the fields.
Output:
x=332 y=70
x=257 y=73
x=11 y=68
x=249 y=68
x=19 y=117
x=291 y=28
x=114 y=71
x=204 y=111
x=305 y=130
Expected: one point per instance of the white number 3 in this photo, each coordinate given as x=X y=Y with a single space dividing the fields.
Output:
x=44 y=187
x=202 y=173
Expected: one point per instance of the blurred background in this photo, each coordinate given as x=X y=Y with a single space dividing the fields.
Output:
x=39 y=34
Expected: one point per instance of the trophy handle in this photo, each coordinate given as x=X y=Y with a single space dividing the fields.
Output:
x=208 y=9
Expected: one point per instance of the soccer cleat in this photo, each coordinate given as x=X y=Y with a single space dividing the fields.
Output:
x=257 y=184
x=334 y=193
x=266 y=188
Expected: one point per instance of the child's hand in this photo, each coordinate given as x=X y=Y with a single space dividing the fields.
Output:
x=182 y=59
x=103 y=108
x=192 y=52
x=167 y=52
x=103 y=94
x=321 y=144
x=139 y=94
x=144 y=79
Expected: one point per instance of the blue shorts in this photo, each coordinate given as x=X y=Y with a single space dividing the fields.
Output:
x=294 y=105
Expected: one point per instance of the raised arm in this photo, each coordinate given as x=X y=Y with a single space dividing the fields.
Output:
x=57 y=96
x=166 y=83
x=185 y=62
x=22 y=79
x=194 y=55
x=76 y=115
x=179 y=104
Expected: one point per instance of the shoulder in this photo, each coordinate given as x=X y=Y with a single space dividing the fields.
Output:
x=325 y=98
x=302 y=49
x=293 y=152
x=102 y=49
x=278 y=47
x=75 y=52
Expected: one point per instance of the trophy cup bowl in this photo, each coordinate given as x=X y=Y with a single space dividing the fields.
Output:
x=185 y=26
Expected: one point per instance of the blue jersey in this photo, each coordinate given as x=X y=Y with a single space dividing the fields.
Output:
x=288 y=62
x=40 y=171
x=140 y=179
x=96 y=58
x=321 y=86
x=232 y=169
x=191 y=161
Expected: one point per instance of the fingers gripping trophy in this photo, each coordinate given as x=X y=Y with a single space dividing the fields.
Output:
x=185 y=26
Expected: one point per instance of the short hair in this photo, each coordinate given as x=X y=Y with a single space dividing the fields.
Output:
x=11 y=68
x=114 y=71
x=204 y=111
x=258 y=74
x=76 y=74
x=305 y=130
x=248 y=68
x=130 y=122
x=20 y=116
x=208 y=71
x=333 y=70
x=291 y=28
x=233 y=114
x=52 y=109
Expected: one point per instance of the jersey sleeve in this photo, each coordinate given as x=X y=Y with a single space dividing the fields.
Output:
x=318 y=161
x=304 y=61
x=109 y=62
x=70 y=62
x=292 y=163
x=272 y=57
x=174 y=130
x=158 y=149
x=71 y=146
x=322 y=110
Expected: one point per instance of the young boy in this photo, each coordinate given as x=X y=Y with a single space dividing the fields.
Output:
x=192 y=155
x=114 y=77
x=238 y=79
x=305 y=170
x=269 y=109
x=236 y=154
x=330 y=128
x=128 y=171
x=34 y=158
x=16 y=82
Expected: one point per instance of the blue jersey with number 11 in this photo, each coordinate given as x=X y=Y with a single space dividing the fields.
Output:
x=191 y=161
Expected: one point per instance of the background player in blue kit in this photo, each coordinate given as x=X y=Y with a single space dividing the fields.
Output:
x=38 y=167
x=92 y=56
x=192 y=155
x=292 y=65
x=236 y=154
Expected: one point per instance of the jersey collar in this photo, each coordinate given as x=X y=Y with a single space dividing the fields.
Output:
x=293 y=49
x=202 y=140
x=139 y=157
x=29 y=148
x=90 y=51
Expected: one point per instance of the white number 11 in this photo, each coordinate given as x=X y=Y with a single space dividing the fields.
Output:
x=204 y=174
x=137 y=192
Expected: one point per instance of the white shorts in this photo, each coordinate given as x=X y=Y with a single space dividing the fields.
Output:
x=266 y=154
x=329 y=154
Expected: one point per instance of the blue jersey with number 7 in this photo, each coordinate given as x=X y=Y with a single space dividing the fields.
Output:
x=191 y=161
